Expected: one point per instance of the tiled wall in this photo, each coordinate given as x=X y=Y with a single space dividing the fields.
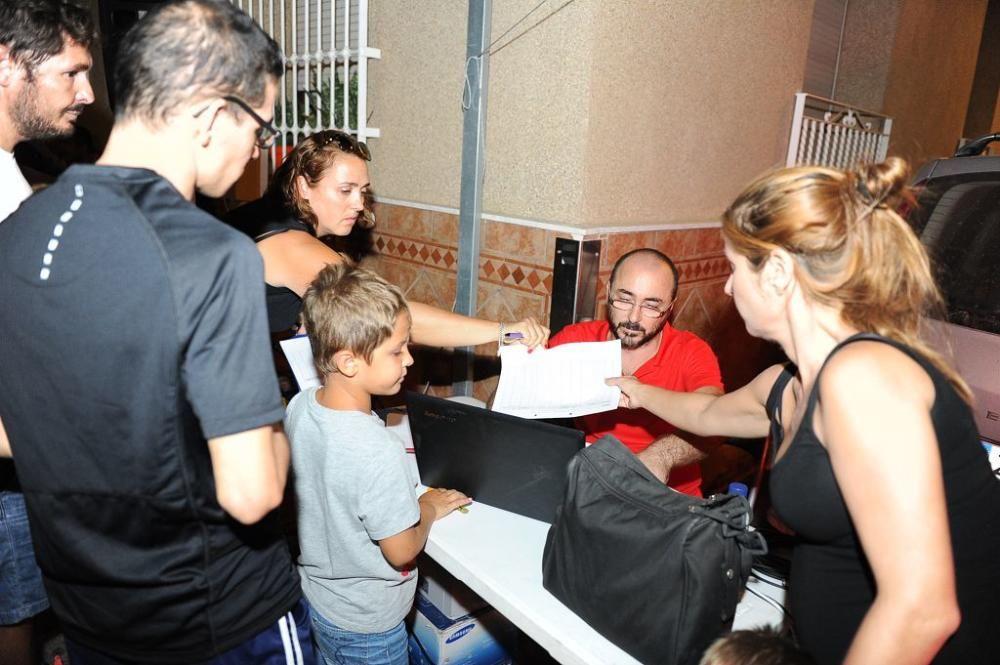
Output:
x=417 y=250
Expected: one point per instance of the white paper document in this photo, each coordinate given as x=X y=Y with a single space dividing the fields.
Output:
x=300 y=359
x=562 y=382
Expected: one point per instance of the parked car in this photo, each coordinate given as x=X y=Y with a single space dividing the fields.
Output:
x=958 y=220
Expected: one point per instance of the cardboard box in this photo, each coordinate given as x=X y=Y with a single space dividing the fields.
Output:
x=481 y=638
x=450 y=596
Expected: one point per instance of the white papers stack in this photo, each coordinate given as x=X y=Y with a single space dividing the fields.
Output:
x=562 y=382
x=300 y=359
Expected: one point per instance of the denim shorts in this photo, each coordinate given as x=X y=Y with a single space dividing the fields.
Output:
x=22 y=594
x=344 y=647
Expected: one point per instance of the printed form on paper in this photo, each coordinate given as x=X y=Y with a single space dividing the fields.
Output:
x=562 y=382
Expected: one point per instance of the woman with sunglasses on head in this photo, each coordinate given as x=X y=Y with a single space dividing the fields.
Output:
x=878 y=467
x=321 y=190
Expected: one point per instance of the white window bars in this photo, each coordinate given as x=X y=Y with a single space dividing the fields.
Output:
x=829 y=133
x=325 y=86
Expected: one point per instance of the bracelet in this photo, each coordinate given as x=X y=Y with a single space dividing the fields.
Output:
x=500 y=336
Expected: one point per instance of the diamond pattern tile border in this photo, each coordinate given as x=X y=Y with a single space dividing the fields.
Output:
x=492 y=269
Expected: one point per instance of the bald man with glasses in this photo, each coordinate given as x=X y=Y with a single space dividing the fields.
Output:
x=641 y=295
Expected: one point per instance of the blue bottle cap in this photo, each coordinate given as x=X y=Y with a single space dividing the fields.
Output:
x=738 y=488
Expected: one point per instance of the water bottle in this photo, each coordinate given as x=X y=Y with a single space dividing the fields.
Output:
x=738 y=488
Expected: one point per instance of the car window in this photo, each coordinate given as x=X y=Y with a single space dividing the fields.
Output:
x=958 y=220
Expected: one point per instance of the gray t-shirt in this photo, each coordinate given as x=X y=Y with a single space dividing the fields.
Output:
x=353 y=489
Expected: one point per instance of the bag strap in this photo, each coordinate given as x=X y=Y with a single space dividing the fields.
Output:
x=813 y=397
x=773 y=407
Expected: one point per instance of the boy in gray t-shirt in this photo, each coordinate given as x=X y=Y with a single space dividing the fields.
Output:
x=360 y=522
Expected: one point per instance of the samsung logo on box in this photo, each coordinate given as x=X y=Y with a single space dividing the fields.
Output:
x=460 y=634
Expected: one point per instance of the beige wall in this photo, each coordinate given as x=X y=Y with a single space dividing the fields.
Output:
x=690 y=100
x=414 y=98
x=866 y=51
x=536 y=106
x=930 y=75
x=605 y=114
x=539 y=111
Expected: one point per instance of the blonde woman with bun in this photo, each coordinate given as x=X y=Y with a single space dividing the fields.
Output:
x=878 y=467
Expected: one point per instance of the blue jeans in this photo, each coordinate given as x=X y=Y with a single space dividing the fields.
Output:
x=285 y=642
x=344 y=647
x=22 y=594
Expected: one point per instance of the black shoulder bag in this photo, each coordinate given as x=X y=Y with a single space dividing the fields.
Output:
x=657 y=572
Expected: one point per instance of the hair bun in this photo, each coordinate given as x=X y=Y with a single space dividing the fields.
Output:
x=882 y=183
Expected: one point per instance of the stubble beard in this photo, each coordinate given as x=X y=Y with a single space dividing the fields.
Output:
x=32 y=124
x=631 y=343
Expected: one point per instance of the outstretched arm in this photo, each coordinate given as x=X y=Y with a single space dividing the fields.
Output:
x=875 y=417
x=439 y=327
x=740 y=413
x=293 y=259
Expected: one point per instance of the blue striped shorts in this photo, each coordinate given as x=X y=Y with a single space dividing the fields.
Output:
x=288 y=641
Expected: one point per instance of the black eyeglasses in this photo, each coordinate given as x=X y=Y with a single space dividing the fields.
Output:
x=266 y=132
x=345 y=142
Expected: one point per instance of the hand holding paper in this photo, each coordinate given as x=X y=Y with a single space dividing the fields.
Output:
x=566 y=381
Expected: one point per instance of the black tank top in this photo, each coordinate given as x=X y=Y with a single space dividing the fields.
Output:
x=262 y=219
x=831 y=585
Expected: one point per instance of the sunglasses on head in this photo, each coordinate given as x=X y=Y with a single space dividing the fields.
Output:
x=345 y=142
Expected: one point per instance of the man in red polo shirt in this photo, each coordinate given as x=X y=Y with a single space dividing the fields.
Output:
x=641 y=293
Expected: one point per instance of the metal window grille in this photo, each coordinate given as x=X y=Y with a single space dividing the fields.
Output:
x=829 y=133
x=326 y=66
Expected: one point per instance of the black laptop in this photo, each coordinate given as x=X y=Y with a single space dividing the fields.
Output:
x=500 y=460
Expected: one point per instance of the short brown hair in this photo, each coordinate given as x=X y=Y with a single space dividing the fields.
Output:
x=312 y=158
x=349 y=308
x=181 y=52
x=760 y=646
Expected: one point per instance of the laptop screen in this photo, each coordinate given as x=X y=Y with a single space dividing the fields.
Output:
x=502 y=461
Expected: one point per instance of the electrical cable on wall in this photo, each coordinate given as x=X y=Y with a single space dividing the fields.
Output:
x=467 y=84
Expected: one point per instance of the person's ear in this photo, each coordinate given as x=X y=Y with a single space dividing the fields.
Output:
x=779 y=271
x=346 y=362
x=205 y=119
x=7 y=66
x=302 y=187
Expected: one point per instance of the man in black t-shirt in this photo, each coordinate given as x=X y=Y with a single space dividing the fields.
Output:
x=137 y=394
x=44 y=87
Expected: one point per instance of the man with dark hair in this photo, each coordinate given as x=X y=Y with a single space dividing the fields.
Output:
x=44 y=85
x=137 y=393
x=641 y=294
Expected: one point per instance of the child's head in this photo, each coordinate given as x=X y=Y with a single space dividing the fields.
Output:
x=359 y=327
x=760 y=646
